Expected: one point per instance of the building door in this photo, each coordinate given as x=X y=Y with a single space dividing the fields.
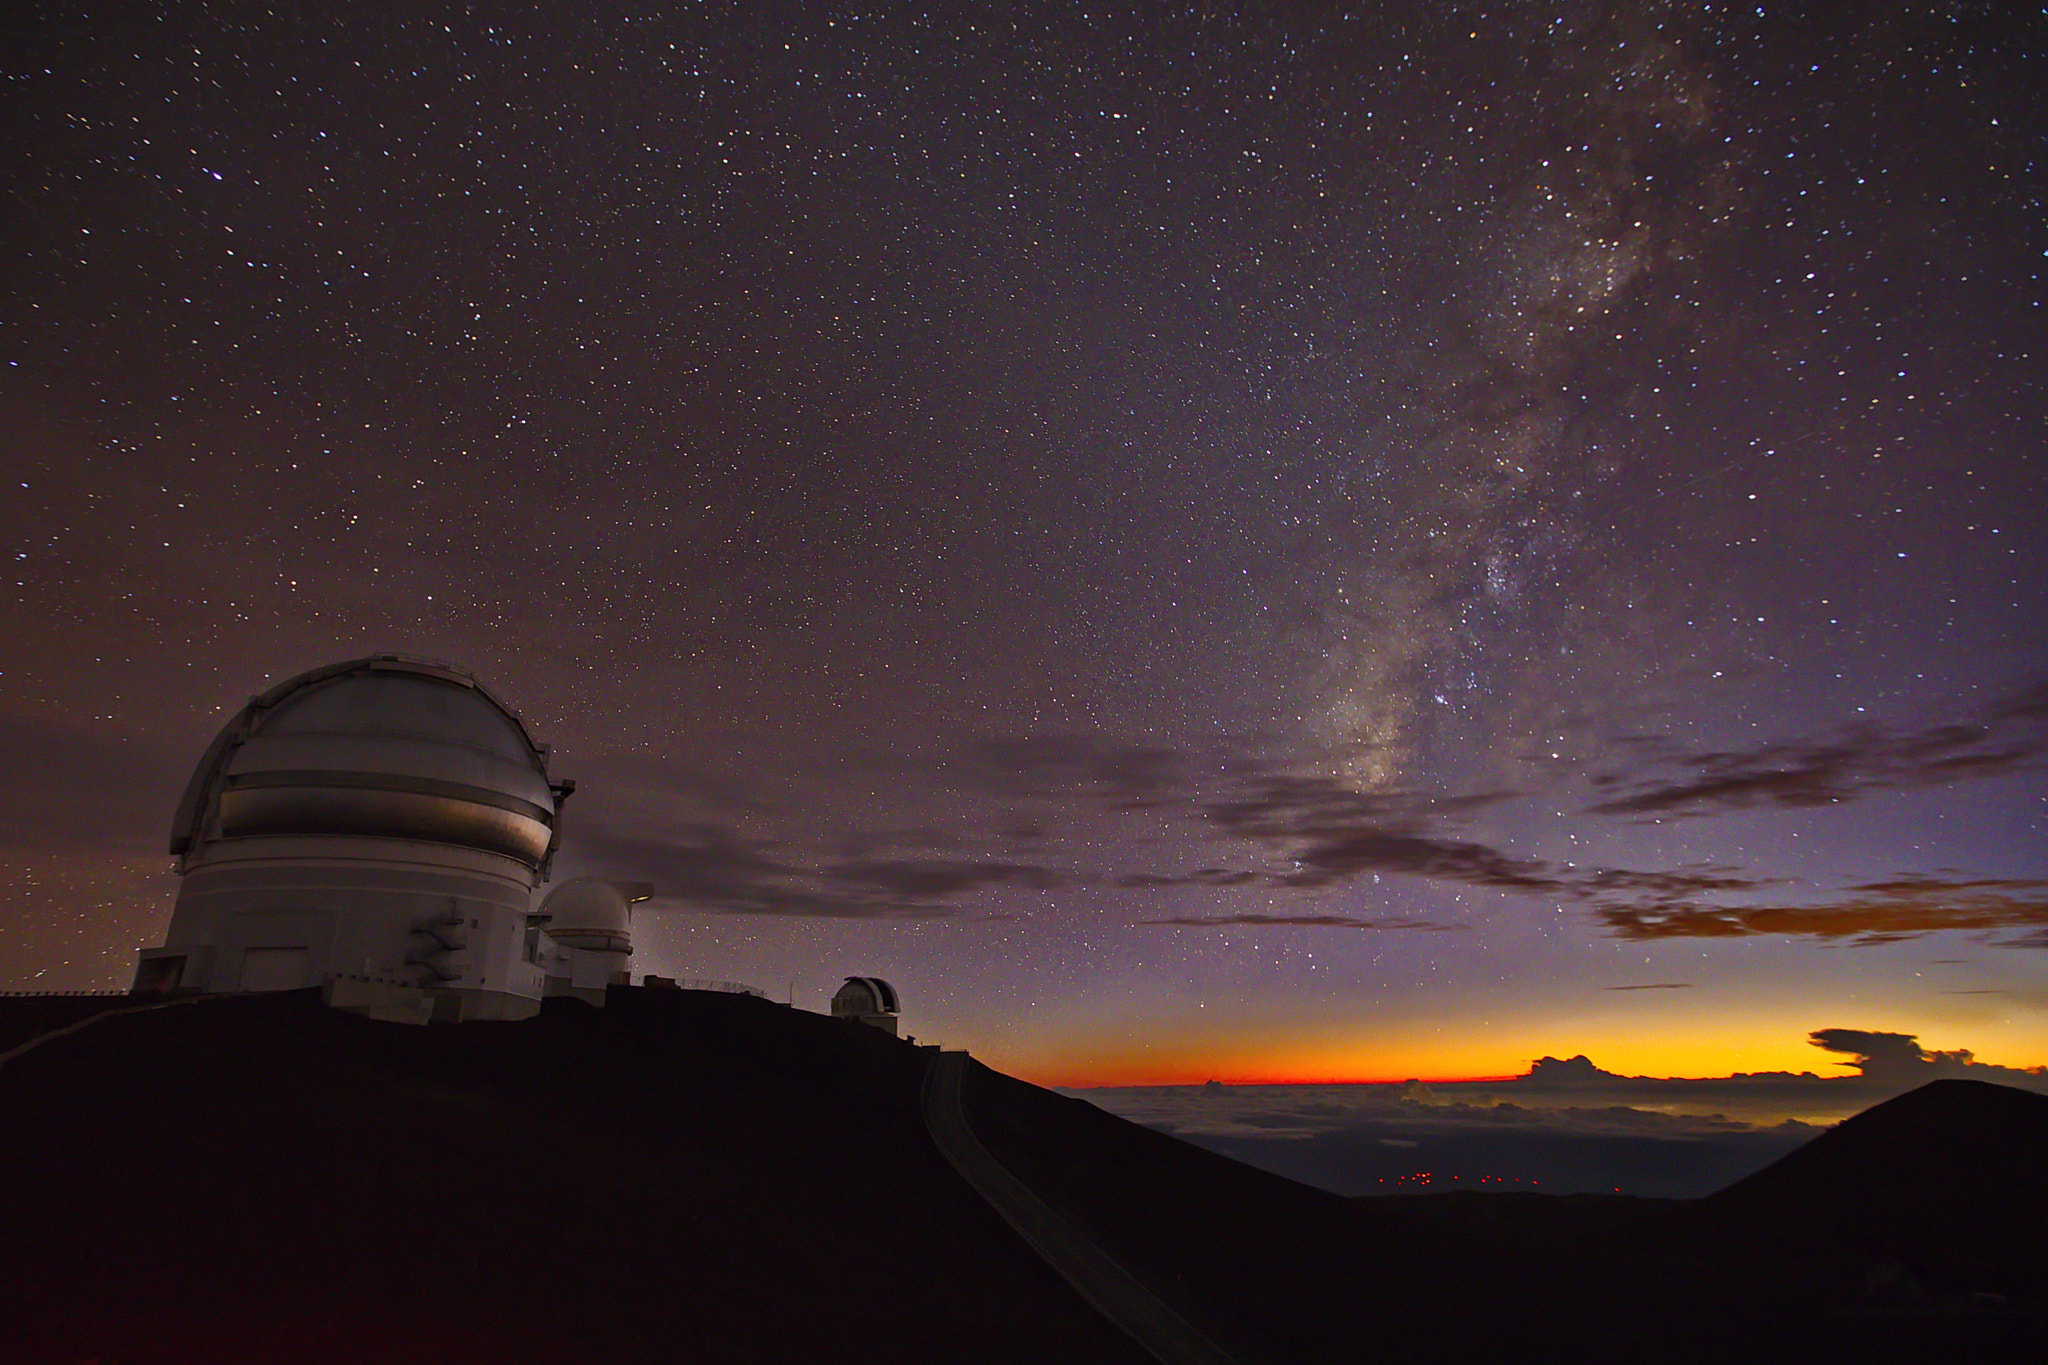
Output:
x=274 y=969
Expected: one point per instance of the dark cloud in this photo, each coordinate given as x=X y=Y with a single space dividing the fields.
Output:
x=1870 y=1053
x=2007 y=735
x=1333 y=833
x=1121 y=774
x=1326 y=832
x=2025 y=704
x=908 y=879
x=1876 y=912
x=694 y=786
x=1898 y=1059
x=1567 y=1071
x=1313 y=921
x=1283 y=806
x=995 y=791
x=1920 y=885
x=1018 y=831
x=1329 y=833
x=1342 y=857
x=1314 y=832
x=1206 y=876
x=716 y=870
x=863 y=845
x=1662 y=886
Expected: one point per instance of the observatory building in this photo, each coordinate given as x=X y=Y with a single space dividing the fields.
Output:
x=867 y=1000
x=380 y=829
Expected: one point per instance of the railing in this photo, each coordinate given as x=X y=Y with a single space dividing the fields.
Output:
x=725 y=987
x=27 y=995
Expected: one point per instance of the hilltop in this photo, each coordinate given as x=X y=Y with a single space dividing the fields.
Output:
x=685 y=1174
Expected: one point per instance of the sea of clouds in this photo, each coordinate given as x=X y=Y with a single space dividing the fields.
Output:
x=1566 y=1127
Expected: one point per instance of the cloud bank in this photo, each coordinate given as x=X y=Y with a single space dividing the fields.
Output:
x=1872 y=913
x=717 y=870
x=2008 y=735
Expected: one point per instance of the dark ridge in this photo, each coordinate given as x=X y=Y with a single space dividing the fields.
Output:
x=681 y=1175
x=1944 y=1189
x=1287 y=1272
x=1251 y=1258
x=694 y=1176
x=25 y=1017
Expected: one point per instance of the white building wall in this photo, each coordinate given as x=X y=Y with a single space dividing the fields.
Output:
x=587 y=972
x=373 y=909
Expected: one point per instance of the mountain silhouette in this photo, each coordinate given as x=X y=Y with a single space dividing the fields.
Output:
x=1945 y=1185
x=687 y=1175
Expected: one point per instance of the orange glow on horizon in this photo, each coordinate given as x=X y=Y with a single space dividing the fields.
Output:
x=1164 y=1043
x=1281 y=1062
x=1119 y=1081
x=1693 y=1050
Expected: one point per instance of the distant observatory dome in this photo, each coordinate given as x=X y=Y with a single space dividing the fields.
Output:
x=590 y=912
x=385 y=747
x=867 y=1000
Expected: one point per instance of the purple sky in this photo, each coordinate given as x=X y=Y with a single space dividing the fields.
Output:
x=1276 y=541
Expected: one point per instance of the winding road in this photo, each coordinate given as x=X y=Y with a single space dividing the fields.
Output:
x=1060 y=1243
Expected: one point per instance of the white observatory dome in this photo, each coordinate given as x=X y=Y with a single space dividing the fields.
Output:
x=862 y=995
x=590 y=912
x=384 y=748
x=375 y=828
x=867 y=1000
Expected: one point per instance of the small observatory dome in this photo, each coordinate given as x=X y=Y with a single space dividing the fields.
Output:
x=590 y=912
x=867 y=1000
x=385 y=747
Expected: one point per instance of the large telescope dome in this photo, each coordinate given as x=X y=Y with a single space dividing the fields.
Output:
x=385 y=747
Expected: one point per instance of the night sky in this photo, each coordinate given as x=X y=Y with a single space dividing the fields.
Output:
x=1258 y=541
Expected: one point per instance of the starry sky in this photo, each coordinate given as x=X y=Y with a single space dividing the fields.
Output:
x=1273 y=542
